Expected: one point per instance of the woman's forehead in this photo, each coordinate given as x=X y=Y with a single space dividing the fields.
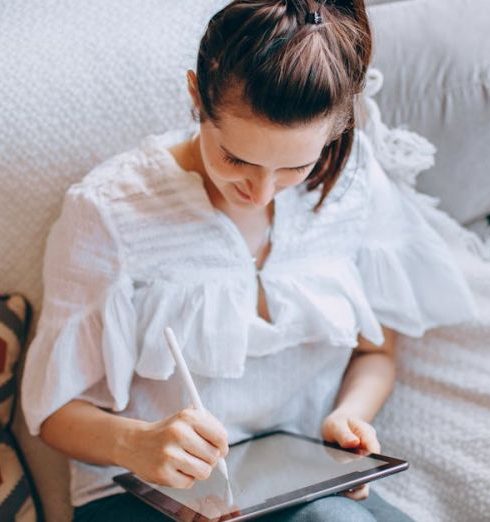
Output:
x=262 y=142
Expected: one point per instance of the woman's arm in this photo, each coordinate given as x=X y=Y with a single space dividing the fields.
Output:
x=171 y=452
x=85 y=432
x=366 y=384
x=368 y=379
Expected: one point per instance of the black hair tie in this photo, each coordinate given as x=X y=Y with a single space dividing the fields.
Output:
x=314 y=18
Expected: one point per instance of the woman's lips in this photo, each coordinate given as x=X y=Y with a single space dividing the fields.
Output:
x=242 y=194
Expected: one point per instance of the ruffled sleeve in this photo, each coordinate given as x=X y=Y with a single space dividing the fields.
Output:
x=410 y=276
x=87 y=326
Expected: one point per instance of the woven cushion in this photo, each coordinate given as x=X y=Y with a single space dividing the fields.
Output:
x=16 y=499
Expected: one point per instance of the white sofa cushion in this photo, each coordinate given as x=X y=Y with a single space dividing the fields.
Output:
x=437 y=81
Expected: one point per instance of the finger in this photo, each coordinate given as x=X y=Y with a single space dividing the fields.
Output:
x=209 y=428
x=194 y=444
x=190 y=465
x=341 y=432
x=366 y=434
x=178 y=479
x=359 y=493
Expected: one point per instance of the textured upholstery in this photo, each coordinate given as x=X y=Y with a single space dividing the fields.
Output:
x=82 y=81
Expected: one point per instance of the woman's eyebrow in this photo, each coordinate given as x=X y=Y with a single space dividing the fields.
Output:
x=255 y=164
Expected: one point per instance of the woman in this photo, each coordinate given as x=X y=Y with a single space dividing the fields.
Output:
x=273 y=244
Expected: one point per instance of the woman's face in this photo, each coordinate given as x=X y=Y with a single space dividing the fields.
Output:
x=249 y=160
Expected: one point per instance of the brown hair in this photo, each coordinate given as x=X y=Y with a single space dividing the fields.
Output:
x=289 y=71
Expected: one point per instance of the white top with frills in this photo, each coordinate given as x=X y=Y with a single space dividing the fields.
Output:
x=138 y=247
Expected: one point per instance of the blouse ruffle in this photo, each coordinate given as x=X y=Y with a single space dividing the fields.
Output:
x=62 y=363
x=415 y=287
x=218 y=328
x=86 y=332
x=410 y=276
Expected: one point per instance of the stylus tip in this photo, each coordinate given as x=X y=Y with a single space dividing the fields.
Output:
x=229 y=494
x=223 y=468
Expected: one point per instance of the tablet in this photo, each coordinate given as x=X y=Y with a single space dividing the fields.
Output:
x=266 y=473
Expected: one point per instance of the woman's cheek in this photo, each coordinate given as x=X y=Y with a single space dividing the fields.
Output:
x=213 y=163
x=212 y=168
x=295 y=179
x=225 y=171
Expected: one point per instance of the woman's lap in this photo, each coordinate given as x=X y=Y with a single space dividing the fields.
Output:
x=338 y=508
x=117 y=508
x=127 y=508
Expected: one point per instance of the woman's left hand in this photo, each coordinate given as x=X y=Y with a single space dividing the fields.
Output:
x=351 y=432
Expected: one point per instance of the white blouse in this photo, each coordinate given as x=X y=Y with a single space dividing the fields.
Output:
x=138 y=247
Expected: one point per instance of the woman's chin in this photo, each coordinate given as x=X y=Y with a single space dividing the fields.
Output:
x=238 y=199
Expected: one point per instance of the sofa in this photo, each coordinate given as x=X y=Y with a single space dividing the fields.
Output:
x=80 y=82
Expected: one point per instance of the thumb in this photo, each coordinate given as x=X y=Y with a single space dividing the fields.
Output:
x=349 y=439
x=341 y=432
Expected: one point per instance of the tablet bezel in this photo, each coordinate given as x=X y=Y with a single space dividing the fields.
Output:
x=175 y=510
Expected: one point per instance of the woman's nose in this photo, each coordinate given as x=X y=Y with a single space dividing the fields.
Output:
x=262 y=190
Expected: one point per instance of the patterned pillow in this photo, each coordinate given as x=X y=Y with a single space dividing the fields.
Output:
x=17 y=503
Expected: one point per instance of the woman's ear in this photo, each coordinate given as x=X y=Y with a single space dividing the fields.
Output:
x=193 y=90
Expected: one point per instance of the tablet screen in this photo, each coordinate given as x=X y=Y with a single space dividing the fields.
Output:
x=268 y=467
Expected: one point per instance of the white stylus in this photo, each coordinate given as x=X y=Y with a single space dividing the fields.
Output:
x=189 y=383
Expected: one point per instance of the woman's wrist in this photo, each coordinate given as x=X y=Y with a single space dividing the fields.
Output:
x=350 y=407
x=367 y=384
x=126 y=435
x=345 y=411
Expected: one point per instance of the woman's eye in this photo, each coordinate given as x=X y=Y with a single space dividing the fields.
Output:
x=302 y=169
x=233 y=161
x=237 y=163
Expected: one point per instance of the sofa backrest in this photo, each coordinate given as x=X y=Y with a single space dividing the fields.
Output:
x=79 y=84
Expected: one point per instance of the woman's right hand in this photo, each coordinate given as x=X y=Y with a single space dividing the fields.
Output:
x=176 y=451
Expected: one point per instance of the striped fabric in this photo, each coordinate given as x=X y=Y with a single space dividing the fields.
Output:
x=16 y=500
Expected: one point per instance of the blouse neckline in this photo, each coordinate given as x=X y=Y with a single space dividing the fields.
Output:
x=229 y=227
x=289 y=205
